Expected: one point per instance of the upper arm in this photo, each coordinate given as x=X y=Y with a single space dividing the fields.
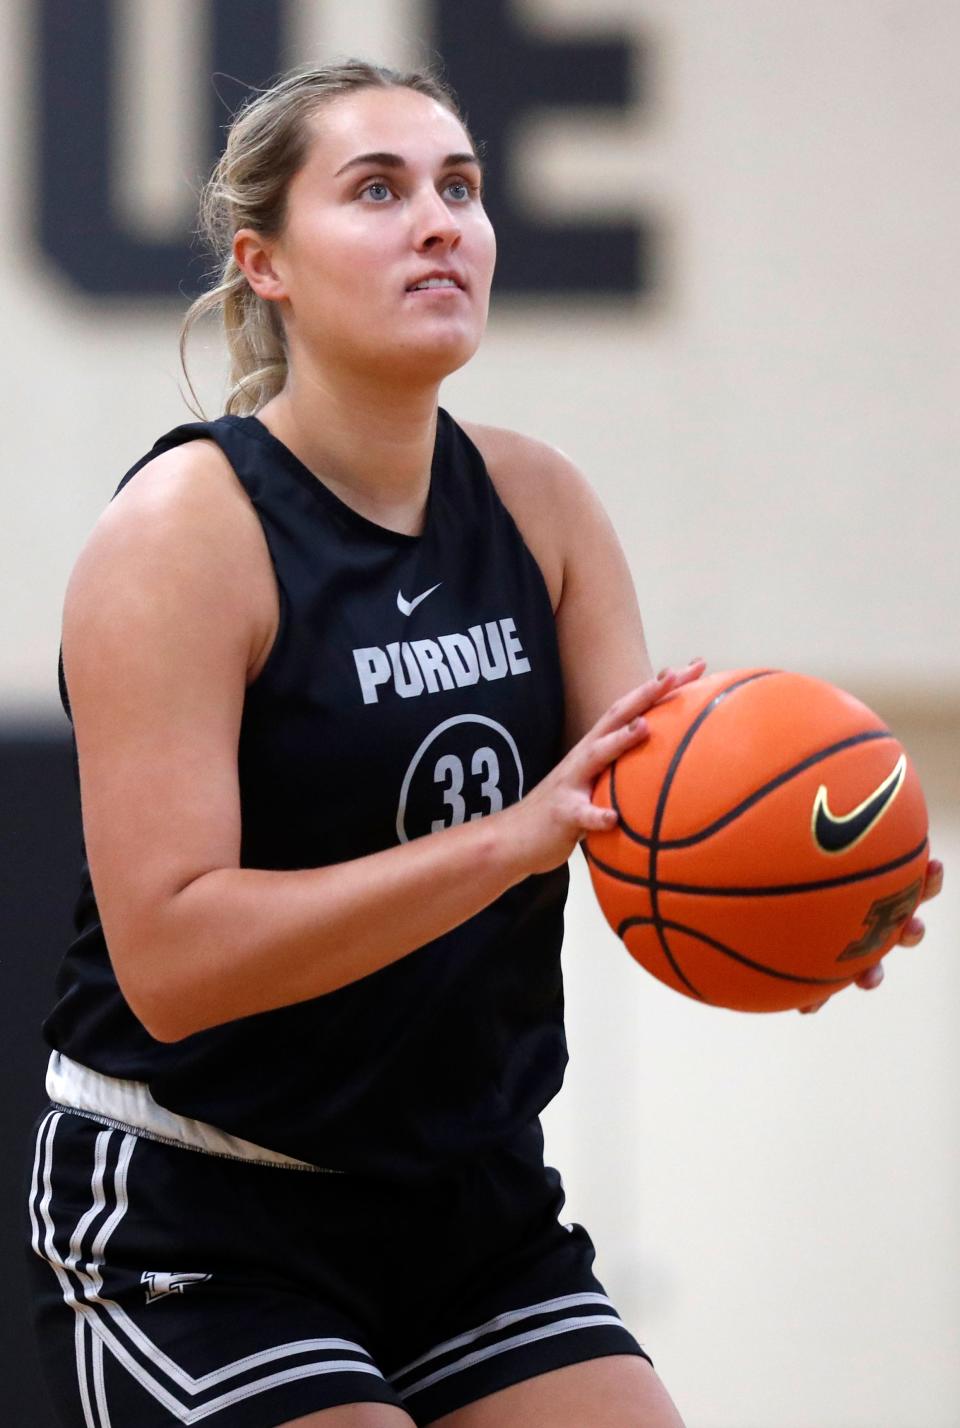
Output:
x=164 y=618
x=599 y=628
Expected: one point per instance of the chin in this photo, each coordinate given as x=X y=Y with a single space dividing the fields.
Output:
x=427 y=360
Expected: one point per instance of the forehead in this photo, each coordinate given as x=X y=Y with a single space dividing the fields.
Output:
x=398 y=120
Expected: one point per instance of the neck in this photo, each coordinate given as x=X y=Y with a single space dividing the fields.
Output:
x=372 y=446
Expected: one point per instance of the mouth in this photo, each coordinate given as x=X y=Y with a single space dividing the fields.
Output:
x=437 y=283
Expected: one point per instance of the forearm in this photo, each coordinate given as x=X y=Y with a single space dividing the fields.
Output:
x=236 y=941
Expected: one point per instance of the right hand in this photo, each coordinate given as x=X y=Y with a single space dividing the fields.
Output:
x=555 y=815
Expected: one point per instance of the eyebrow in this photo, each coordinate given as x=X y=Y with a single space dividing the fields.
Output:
x=396 y=161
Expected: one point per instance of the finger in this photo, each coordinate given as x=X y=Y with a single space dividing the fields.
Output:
x=913 y=933
x=680 y=677
x=871 y=978
x=636 y=701
x=691 y=671
x=644 y=696
x=601 y=752
x=597 y=820
x=933 y=882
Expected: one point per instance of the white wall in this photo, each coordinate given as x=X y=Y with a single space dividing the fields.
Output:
x=774 y=1198
x=777 y=440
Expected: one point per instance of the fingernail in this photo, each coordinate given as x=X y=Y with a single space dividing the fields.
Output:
x=664 y=672
x=636 y=725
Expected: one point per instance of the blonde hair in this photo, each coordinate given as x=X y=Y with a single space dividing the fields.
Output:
x=266 y=146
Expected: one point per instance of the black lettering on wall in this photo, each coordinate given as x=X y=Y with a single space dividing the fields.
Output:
x=78 y=227
x=502 y=72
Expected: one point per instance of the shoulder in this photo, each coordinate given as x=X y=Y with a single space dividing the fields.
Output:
x=599 y=628
x=523 y=465
x=544 y=491
x=190 y=480
x=183 y=527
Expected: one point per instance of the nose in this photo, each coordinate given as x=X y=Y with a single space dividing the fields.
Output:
x=436 y=225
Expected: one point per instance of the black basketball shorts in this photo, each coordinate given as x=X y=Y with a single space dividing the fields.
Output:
x=175 y=1286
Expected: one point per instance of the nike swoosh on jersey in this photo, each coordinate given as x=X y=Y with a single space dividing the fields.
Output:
x=837 y=834
x=407 y=607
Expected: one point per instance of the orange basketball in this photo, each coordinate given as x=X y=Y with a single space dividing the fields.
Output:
x=771 y=842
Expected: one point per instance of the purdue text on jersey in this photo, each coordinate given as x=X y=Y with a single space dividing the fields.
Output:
x=413 y=667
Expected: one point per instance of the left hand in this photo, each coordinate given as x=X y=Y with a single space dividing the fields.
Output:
x=911 y=936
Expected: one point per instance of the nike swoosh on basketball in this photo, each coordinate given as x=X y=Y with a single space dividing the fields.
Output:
x=407 y=607
x=835 y=834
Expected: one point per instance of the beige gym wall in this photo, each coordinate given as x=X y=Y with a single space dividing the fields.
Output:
x=776 y=437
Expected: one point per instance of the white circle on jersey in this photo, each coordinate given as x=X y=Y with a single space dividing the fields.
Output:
x=467 y=777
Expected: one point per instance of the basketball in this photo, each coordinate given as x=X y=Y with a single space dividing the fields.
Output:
x=771 y=841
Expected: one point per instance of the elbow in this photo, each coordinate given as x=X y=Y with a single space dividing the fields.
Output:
x=165 y=1027
x=148 y=984
x=164 y=1017
x=161 y=971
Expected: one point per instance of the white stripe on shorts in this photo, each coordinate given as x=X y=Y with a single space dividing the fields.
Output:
x=111 y=1327
x=99 y=1386
x=80 y=1349
x=502 y=1321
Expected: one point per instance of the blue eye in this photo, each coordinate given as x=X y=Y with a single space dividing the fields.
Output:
x=378 y=191
x=467 y=190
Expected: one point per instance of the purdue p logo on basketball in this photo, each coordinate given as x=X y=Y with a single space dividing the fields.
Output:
x=161 y=1283
x=884 y=918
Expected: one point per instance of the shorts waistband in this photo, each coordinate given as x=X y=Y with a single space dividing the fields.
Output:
x=129 y=1104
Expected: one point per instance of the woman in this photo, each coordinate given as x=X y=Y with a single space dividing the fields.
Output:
x=293 y=1170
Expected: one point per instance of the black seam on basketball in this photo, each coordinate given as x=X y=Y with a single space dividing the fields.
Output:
x=779 y=890
x=629 y=922
x=614 y=802
x=681 y=974
x=663 y=941
x=810 y=762
x=661 y=806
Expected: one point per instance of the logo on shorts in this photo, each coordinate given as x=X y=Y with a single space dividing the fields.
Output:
x=161 y=1283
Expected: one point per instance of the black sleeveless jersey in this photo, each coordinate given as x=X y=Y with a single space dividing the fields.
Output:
x=414 y=683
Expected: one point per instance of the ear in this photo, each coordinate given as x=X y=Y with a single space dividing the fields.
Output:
x=254 y=254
